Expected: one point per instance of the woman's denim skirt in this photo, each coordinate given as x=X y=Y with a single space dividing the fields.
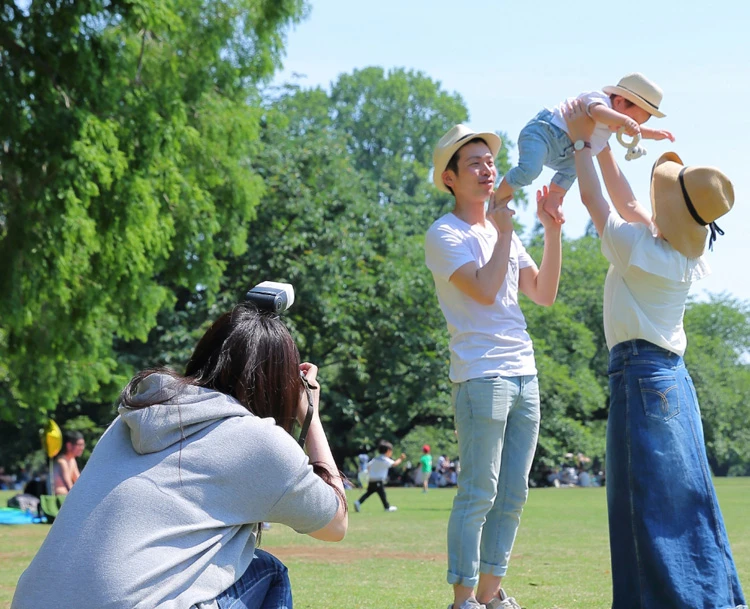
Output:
x=668 y=543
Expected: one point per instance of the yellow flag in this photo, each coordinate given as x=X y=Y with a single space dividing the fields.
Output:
x=52 y=439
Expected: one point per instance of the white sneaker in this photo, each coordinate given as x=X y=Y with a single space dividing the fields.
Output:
x=357 y=506
x=503 y=601
x=393 y=508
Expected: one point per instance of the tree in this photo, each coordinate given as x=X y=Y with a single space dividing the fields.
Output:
x=351 y=243
x=718 y=342
x=366 y=311
x=571 y=355
x=125 y=175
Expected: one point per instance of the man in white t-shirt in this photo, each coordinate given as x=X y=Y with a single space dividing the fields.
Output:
x=479 y=265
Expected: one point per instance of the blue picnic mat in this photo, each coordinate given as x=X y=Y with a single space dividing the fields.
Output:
x=15 y=516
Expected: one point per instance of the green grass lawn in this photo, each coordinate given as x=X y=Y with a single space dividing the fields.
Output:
x=388 y=560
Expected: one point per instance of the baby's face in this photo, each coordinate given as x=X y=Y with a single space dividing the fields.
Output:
x=639 y=115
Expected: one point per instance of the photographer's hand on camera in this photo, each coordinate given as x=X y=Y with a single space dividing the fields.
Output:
x=311 y=375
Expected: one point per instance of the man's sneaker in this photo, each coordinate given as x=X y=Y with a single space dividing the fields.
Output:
x=469 y=603
x=393 y=508
x=503 y=601
x=357 y=506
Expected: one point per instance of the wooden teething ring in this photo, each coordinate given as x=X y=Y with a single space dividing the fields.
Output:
x=621 y=138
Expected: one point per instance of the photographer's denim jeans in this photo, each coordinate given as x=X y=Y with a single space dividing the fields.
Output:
x=264 y=585
x=668 y=543
x=540 y=144
x=497 y=420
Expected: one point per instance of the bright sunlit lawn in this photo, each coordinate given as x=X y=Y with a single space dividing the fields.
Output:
x=398 y=560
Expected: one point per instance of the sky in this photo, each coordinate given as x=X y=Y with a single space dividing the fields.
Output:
x=508 y=60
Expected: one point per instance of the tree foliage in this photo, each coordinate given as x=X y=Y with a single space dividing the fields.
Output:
x=352 y=244
x=718 y=343
x=148 y=181
x=126 y=175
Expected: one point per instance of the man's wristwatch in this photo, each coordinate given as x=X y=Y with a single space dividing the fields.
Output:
x=580 y=145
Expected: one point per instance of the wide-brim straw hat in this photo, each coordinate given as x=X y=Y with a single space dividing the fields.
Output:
x=640 y=90
x=458 y=136
x=686 y=201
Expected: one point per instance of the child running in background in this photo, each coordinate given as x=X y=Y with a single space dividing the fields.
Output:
x=545 y=142
x=378 y=471
x=426 y=461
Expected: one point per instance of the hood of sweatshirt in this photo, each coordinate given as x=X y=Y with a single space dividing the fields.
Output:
x=186 y=410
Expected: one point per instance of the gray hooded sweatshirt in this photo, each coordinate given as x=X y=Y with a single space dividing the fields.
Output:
x=165 y=512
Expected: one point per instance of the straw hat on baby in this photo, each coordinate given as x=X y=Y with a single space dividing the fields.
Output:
x=640 y=90
x=686 y=201
x=456 y=137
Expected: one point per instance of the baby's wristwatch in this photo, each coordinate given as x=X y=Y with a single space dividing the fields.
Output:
x=579 y=145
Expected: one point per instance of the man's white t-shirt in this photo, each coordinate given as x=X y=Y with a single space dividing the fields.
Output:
x=646 y=286
x=486 y=340
x=602 y=132
x=378 y=468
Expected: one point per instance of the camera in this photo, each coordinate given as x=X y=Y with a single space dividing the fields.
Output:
x=271 y=296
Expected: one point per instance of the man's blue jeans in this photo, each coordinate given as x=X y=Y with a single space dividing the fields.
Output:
x=497 y=421
x=264 y=585
x=668 y=543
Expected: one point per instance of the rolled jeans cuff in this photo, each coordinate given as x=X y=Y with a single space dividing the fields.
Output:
x=517 y=179
x=563 y=180
x=457 y=580
x=494 y=570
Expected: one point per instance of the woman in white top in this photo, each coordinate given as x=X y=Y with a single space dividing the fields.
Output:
x=668 y=543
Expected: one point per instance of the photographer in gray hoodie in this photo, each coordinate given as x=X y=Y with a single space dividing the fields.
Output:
x=167 y=510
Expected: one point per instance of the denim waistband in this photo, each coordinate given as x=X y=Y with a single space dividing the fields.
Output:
x=638 y=349
x=544 y=115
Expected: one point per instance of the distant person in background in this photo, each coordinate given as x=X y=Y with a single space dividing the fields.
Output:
x=378 y=472
x=362 y=476
x=21 y=478
x=426 y=462
x=451 y=477
x=6 y=481
x=66 y=467
x=441 y=464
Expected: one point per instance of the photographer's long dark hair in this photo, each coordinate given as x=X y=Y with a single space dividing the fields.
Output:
x=251 y=356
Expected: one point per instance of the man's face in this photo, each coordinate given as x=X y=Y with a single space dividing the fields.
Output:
x=476 y=172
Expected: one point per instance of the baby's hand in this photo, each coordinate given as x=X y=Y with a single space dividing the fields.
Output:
x=658 y=134
x=631 y=127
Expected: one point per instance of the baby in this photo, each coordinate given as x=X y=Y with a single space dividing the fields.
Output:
x=544 y=141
